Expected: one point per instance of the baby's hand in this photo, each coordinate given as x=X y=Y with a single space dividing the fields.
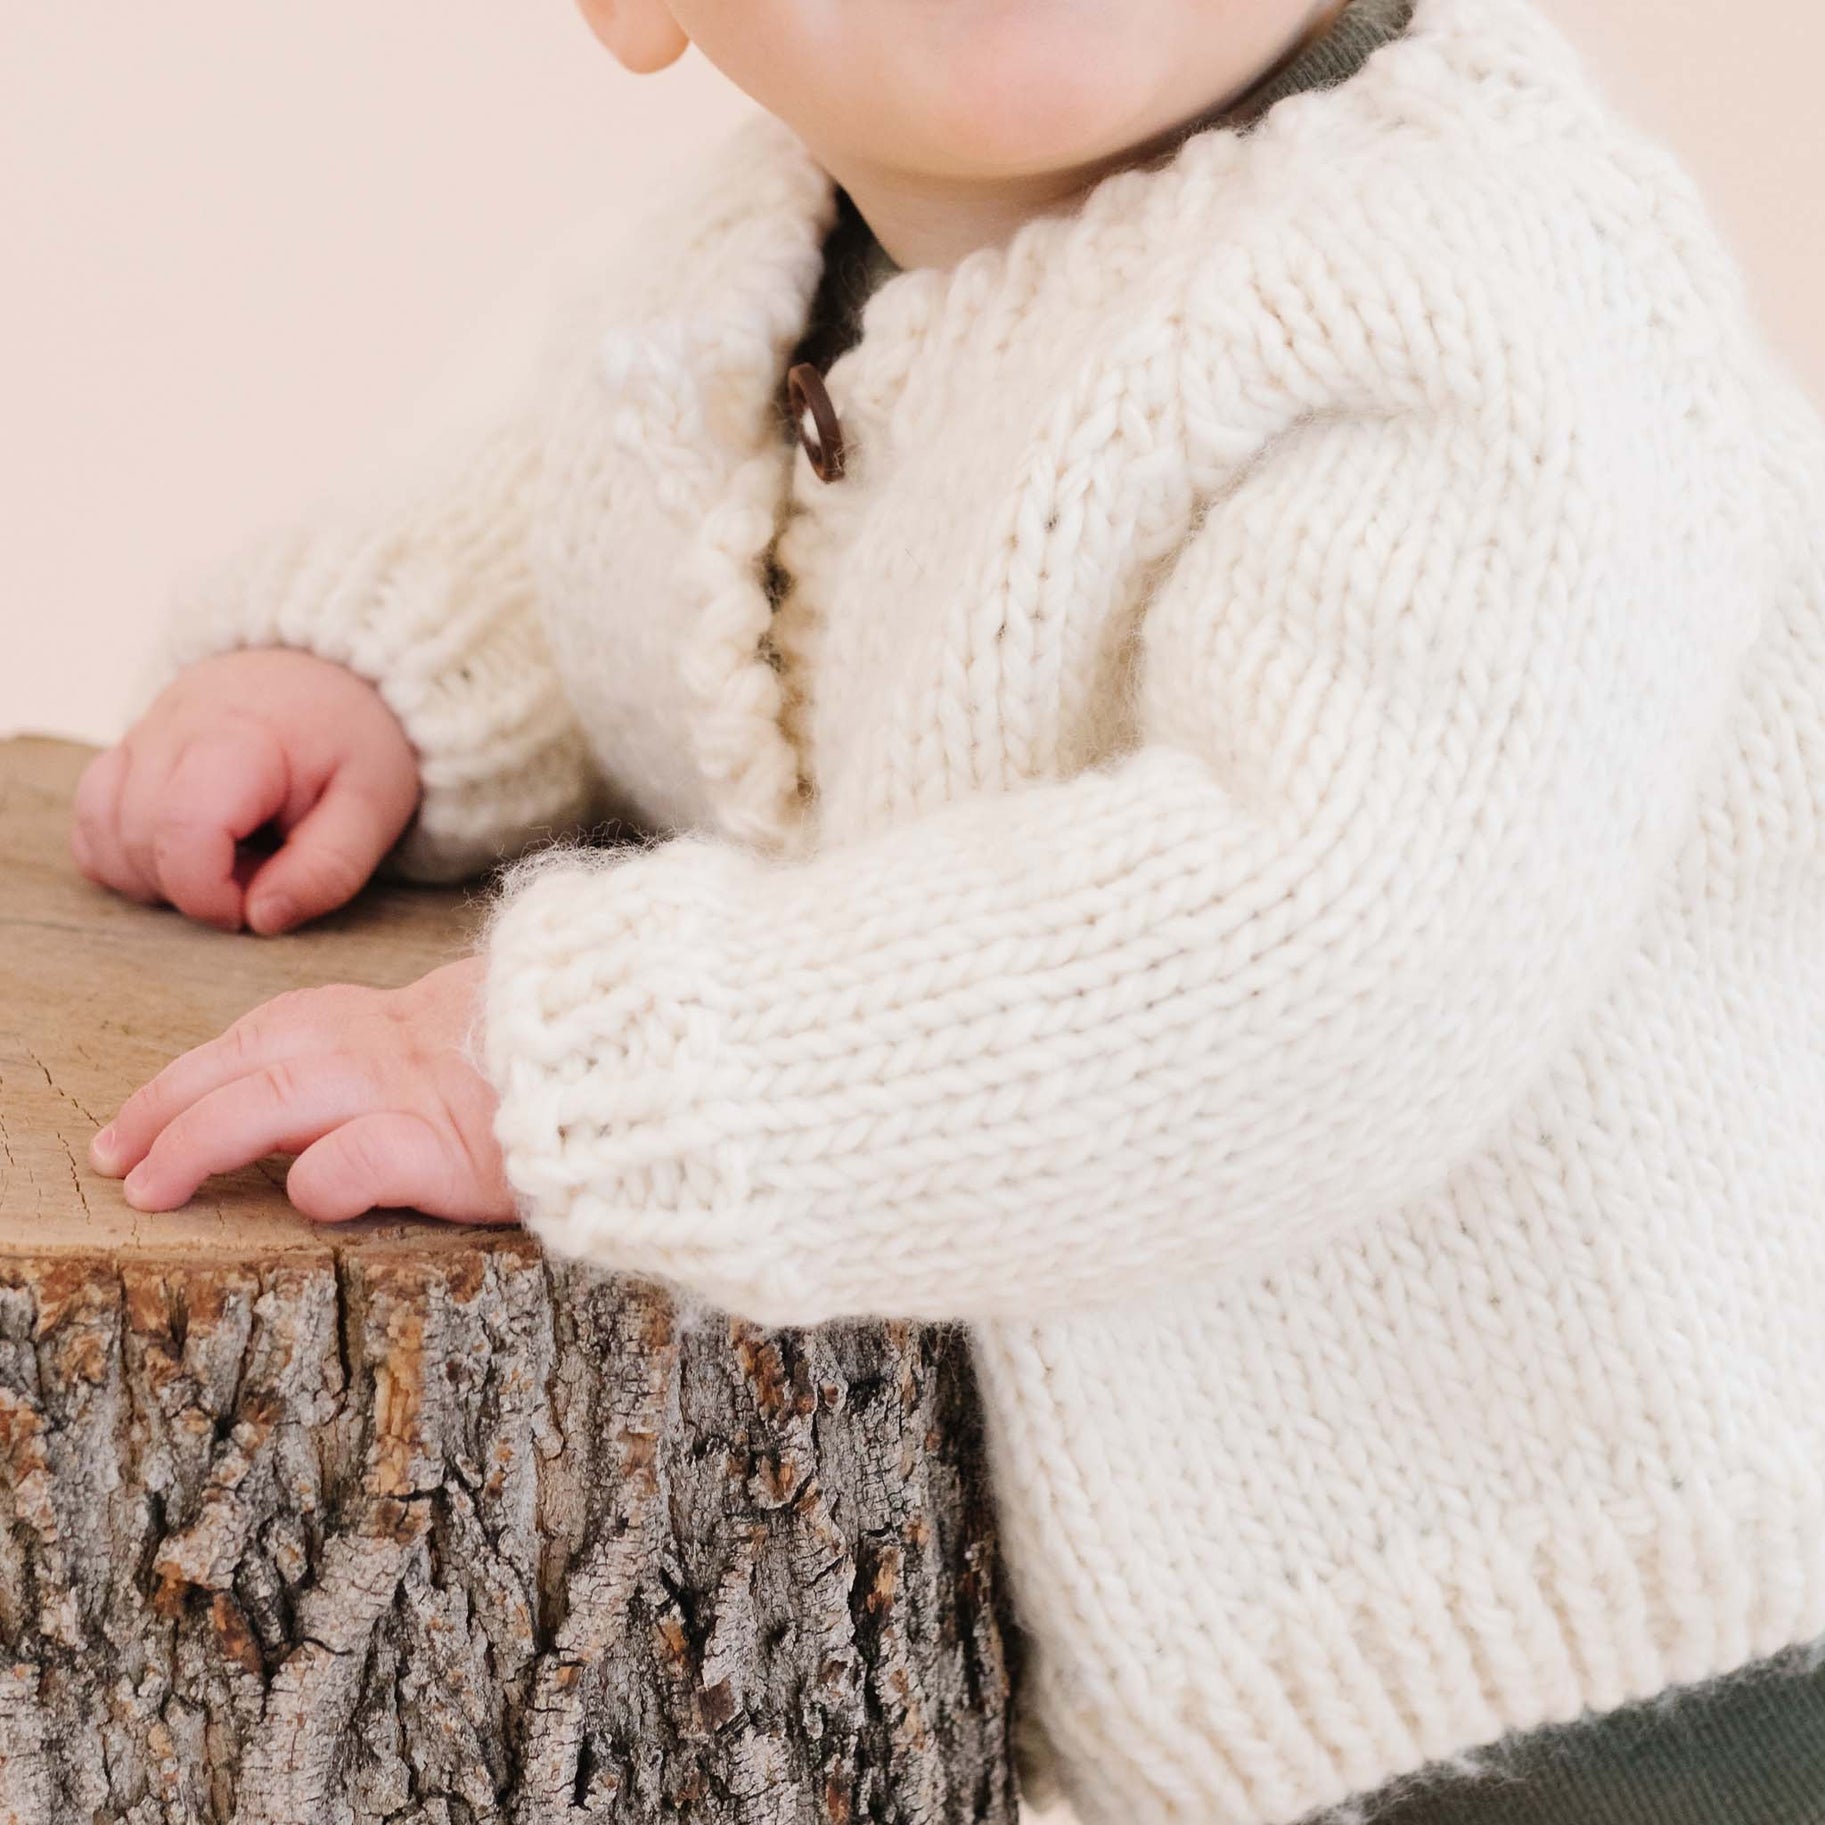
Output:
x=371 y=1088
x=233 y=743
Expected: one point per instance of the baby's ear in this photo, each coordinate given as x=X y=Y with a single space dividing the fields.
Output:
x=641 y=33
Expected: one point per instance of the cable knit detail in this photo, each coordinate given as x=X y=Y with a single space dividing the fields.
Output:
x=667 y=474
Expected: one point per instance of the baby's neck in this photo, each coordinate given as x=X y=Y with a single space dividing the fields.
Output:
x=926 y=220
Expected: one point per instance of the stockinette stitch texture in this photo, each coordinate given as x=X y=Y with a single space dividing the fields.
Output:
x=1269 y=859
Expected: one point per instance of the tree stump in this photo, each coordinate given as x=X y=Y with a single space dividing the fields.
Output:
x=402 y=1522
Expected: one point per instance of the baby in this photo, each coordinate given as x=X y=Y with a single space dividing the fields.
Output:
x=1216 y=618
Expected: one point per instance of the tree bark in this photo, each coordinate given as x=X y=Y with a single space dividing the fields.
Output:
x=401 y=1521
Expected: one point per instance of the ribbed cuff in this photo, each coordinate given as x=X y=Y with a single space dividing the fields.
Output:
x=626 y=1120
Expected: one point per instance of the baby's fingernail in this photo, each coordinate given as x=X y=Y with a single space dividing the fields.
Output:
x=274 y=915
x=135 y=1184
x=101 y=1149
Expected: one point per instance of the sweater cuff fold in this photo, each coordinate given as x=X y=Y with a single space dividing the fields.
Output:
x=438 y=615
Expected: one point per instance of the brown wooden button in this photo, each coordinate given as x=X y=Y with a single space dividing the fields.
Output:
x=823 y=436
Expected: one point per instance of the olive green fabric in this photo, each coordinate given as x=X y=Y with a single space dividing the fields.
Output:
x=1361 y=29
x=1748 y=1750
x=856 y=266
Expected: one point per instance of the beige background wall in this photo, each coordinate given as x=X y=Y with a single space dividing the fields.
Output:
x=238 y=242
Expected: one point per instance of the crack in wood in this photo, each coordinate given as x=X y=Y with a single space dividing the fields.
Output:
x=82 y=1196
x=57 y=1089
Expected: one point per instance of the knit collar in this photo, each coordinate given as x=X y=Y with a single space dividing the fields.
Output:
x=753 y=258
x=774 y=203
x=722 y=296
x=856 y=265
x=1130 y=215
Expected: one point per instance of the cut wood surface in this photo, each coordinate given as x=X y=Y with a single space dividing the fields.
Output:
x=399 y=1521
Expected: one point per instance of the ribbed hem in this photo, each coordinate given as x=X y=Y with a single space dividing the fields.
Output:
x=1438 y=1649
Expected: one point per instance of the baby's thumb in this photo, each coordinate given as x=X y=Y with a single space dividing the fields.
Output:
x=328 y=854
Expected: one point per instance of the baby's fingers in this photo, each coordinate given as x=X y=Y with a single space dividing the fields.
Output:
x=223 y=788
x=387 y=1161
x=329 y=854
x=95 y=830
x=276 y=1034
x=281 y=1108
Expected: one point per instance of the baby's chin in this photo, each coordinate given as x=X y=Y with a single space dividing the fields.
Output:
x=1037 y=108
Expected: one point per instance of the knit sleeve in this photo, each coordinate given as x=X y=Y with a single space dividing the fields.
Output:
x=1422 y=708
x=430 y=599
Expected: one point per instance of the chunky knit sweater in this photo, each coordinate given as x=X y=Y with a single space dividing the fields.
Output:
x=1270 y=861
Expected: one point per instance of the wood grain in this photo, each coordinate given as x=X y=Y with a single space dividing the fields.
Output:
x=97 y=993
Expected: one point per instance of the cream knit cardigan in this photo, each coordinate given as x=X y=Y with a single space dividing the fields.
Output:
x=1271 y=862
